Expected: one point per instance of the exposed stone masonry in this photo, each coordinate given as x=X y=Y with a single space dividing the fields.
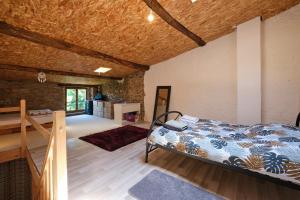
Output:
x=52 y=96
x=37 y=95
x=131 y=90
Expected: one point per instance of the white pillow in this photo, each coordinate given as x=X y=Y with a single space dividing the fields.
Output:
x=39 y=112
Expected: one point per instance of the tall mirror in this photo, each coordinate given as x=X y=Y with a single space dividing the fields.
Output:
x=162 y=101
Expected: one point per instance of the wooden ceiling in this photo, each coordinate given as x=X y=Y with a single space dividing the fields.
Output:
x=119 y=29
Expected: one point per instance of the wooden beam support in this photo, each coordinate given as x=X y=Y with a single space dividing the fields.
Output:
x=38 y=38
x=23 y=127
x=76 y=85
x=53 y=72
x=159 y=10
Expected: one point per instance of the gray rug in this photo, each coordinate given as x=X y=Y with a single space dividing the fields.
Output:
x=159 y=186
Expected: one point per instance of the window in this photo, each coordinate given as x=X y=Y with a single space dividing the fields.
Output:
x=75 y=99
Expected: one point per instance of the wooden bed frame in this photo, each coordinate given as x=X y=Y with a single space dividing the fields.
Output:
x=13 y=129
x=150 y=147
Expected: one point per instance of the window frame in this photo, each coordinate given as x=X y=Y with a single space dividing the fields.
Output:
x=76 y=89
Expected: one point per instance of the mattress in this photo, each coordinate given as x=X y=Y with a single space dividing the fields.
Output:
x=270 y=149
x=13 y=118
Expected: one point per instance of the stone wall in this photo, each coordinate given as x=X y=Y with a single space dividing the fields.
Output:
x=37 y=95
x=52 y=96
x=131 y=90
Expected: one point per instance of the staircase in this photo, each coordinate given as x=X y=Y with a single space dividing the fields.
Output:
x=50 y=183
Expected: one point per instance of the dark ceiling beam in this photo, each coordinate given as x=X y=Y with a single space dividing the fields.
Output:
x=76 y=85
x=159 y=10
x=53 y=72
x=38 y=38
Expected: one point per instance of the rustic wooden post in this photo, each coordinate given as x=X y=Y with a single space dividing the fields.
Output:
x=60 y=179
x=23 y=126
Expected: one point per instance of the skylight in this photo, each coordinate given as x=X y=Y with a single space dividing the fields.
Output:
x=102 y=70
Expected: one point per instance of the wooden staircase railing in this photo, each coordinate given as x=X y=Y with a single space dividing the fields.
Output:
x=51 y=182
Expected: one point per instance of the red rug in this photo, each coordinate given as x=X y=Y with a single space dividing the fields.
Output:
x=116 y=138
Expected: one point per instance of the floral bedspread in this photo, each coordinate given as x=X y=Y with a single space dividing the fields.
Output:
x=272 y=149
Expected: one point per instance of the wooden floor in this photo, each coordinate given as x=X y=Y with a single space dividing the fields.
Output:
x=94 y=173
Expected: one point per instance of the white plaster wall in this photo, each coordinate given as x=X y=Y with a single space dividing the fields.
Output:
x=203 y=81
x=281 y=67
x=249 y=72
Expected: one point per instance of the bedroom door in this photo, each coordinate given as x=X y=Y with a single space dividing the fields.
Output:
x=75 y=99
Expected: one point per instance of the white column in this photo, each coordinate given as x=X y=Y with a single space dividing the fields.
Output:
x=249 y=72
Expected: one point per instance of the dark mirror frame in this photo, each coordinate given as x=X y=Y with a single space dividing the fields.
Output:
x=156 y=99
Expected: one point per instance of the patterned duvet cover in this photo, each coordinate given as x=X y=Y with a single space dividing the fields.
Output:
x=271 y=149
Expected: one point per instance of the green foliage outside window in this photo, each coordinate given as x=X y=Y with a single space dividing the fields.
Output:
x=74 y=104
x=81 y=99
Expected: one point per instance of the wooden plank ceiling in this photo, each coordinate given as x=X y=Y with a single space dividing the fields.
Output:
x=119 y=29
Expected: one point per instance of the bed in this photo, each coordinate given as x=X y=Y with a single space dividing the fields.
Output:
x=11 y=120
x=270 y=151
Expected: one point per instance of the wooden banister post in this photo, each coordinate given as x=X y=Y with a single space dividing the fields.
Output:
x=60 y=179
x=23 y=126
